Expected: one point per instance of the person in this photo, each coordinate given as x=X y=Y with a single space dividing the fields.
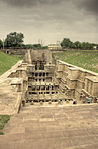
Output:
x=89 y=100
x=95 y=100
x=23 y=103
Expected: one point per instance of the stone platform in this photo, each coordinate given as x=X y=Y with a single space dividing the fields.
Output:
x=64 y=127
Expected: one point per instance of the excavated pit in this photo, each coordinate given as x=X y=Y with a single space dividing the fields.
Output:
x=42 y=79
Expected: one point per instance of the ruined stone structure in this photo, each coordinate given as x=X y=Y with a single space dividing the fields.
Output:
x=41 y=79
x=48 y=81
x=42 y=85
x=77 y=83
x=37 y=92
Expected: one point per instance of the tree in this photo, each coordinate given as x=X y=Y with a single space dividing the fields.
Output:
x=28 y=46
x=14 y=40
x=44 y=47
x=77 y=45
x=1 y=44
x=66 y=43
x=86 y=45
x=37 y=46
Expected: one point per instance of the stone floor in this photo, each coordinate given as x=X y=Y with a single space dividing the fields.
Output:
x=64 y=127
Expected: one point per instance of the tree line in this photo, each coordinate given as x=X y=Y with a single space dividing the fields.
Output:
x=67 y=43
x=15 y=40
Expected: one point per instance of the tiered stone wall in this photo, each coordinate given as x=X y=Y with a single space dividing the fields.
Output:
x=77 y=83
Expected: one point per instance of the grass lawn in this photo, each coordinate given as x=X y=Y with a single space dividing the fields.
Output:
x=3 y=120
x=7 y=61
x=85 y=59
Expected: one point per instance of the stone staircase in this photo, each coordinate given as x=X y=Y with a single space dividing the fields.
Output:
x=70 y=127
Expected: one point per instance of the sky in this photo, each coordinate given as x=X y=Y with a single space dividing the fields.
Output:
x=49 y=21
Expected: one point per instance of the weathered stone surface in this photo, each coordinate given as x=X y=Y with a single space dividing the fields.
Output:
x=10 y=98
x=48 y=118
x=38 y=79
x=64 y=127
x=78 y=83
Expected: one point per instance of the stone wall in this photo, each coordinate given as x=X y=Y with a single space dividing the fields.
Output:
x=12 y=89
x=15 y=51
x=77 y=83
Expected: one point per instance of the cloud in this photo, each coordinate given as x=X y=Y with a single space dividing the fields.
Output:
x=54 y=19
x=30 y=3
x=88 y=5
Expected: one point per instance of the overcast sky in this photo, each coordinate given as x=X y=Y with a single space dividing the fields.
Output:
x=50 y=20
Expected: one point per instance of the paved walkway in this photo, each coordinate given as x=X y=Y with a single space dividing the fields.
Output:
x=9 y=97
x=70 y=127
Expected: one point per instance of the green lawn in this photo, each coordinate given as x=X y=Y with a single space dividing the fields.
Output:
x=85 y=59
x=6 y=61
x=3 y=120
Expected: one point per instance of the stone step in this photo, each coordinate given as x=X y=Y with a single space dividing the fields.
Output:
x=47 y=140
x=66 y=127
